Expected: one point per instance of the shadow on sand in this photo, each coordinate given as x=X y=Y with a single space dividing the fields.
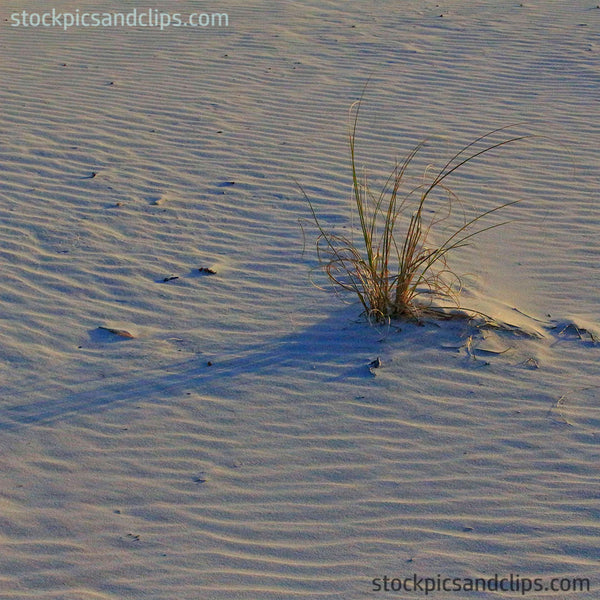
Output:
x=336 y=348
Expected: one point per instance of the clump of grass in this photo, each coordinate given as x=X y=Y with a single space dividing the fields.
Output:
x=395 y=269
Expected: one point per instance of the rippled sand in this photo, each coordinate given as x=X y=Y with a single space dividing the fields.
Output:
x=235 y=444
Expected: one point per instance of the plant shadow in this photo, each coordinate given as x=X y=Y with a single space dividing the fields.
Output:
x=340 y=348
x=333 y=349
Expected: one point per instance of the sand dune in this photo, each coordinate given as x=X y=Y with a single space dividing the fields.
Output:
x=237 y=444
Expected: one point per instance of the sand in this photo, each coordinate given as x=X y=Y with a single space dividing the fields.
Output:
x=235 y=444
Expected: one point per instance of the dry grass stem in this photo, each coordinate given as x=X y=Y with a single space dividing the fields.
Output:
x=395 y=269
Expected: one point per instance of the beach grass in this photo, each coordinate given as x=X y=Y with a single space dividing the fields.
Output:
x=396 y=269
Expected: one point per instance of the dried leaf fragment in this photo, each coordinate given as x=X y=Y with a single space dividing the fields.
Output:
x=120 y=332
